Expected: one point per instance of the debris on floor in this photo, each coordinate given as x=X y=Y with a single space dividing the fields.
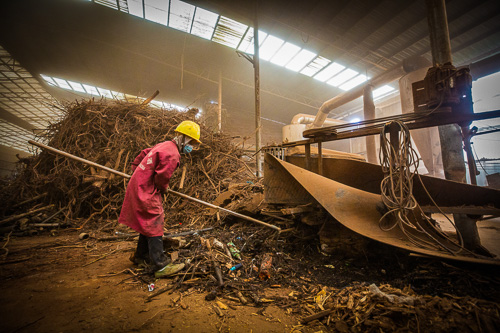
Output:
x=326 y=277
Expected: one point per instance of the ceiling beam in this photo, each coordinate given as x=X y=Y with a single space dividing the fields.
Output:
x=452 y=17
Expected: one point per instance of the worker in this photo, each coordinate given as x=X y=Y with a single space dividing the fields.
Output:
x=142 y=208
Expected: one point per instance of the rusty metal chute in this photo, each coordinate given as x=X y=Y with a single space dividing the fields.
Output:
x=354 y=208
x=449 y=195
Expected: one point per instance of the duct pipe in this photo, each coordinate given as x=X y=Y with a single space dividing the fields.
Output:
x=293 y=132
x=303 y=118
x=409 y=65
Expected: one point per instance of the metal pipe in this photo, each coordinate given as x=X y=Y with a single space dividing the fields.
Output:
x=438 y=32
x=60 y=152
x=303 y=118
x=63 y=153
x=248 y=218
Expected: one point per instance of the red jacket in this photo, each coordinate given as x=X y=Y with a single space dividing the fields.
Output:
x=142 y=208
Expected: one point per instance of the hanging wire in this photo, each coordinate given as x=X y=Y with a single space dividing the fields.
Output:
x=400 y=163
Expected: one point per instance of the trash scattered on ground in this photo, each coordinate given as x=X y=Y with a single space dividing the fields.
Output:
x=314 y=272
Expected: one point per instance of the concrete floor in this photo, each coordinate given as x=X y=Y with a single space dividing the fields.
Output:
x=489 y=232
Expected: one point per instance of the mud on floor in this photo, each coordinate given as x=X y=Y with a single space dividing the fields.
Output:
x=61 y=283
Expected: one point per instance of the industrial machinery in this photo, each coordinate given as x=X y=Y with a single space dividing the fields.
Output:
x=350 y=189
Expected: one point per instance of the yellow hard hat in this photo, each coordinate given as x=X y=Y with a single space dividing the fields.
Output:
x=189 y=128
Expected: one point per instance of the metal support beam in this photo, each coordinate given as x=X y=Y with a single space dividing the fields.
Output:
x=332 y=133
x=256 y=66
x=320 y=159
x=219 y=109
x=308 y=156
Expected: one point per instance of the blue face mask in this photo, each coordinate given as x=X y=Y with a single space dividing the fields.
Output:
x=187 y=149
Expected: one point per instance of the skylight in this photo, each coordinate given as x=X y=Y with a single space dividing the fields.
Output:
x=156 y=11
x=300 y=60
x=118 y=95
x=204 y=23
x=62 y=83
x=49 y=80
x=135 y=8
x=342 y=77
x=14 y=136
x=208 y=25
x=284 y=54
x=246 y=44
x=107 y=3
x=76 y=86
x=157 y=103
x=91 y=90
x=269 y=47
x=24 y=96
x=354 y=82
x=229 y=32
x=315 y=66
x=382 y=91
x=181 y=15
x=329 y=71
x=102 y=92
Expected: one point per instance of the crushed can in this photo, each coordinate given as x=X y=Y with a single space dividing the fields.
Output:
x=234 y=250
x=265 y=266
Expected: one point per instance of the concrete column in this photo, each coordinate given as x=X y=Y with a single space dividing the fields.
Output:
x=369 y=114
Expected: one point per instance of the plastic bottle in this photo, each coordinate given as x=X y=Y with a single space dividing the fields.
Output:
x=236 y=267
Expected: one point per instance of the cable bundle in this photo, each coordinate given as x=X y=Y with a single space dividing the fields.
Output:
x=399 y=163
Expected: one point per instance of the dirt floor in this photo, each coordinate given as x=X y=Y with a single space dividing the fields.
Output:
x=59 y=283
x=60 y=288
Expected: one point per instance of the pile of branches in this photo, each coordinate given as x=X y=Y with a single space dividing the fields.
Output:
x=113 y=133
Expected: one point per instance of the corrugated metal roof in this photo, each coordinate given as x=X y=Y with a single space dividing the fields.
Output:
x=22 y=95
